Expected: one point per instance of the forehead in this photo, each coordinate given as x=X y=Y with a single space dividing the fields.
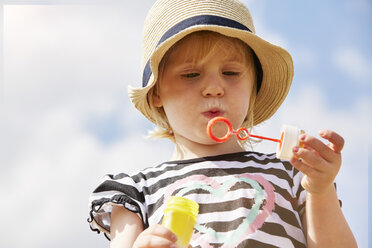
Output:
x=205 y=43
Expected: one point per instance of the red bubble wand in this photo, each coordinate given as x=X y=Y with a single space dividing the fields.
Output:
x=242 y=133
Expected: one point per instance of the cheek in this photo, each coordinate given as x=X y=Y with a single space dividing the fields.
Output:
x=172 y=103
x=174 y=110
x=242 y=99
x=178 y=121
x=240 y=107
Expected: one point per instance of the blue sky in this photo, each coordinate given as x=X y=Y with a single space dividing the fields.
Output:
x=66 y=119
x=326 y=28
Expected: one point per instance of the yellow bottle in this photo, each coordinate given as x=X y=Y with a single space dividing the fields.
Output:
x=180 y=217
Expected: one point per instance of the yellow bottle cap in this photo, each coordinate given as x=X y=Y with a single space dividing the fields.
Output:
x=182 y=204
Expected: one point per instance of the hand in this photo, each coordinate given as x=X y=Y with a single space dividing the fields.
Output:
x=156 y=236
x=319 y=162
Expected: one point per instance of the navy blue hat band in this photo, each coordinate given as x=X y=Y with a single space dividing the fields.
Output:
x=193 y=21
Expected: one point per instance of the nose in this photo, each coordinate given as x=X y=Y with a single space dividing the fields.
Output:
x=213 y=87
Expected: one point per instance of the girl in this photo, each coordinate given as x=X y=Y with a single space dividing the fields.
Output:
x=202 y=60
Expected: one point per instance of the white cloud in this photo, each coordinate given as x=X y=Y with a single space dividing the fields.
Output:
x=65 y=65
x=352 y=62
x=305 y=57
x=69 y=56
x=53 y=171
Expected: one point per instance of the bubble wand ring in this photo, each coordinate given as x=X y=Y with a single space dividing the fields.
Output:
x=229 y=129
x=242 y=133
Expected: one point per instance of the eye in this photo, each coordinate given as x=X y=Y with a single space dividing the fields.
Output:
x=231 y=73
x=190 y=75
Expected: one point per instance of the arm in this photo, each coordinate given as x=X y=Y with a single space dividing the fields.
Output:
x=125 y=227
x=325 y=224
x=127 y=232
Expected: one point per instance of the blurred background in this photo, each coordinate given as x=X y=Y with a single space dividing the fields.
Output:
x=66 y=120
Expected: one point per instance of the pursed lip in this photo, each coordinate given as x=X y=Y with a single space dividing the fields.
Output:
x=213 y=112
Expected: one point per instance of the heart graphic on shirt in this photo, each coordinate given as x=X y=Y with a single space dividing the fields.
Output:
x=260 y=210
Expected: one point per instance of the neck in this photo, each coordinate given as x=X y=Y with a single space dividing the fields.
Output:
x=186 y=149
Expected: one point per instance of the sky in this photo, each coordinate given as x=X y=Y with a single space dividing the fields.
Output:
x=66 y=119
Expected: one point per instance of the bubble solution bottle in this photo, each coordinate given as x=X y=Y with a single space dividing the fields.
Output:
x=180 y=217
x=290 y=137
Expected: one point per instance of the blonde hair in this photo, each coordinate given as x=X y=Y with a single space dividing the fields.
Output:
x=206 y=43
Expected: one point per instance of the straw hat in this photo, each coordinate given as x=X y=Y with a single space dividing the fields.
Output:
x=168 y=21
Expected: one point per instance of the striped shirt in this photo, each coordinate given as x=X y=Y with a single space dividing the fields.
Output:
x=245 y=199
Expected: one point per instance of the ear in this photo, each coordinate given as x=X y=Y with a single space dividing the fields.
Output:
x=156 y=101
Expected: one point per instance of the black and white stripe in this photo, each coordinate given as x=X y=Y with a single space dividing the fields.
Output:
x=144 y=194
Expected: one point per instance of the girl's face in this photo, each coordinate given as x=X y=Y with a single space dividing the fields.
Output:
x=196 y=87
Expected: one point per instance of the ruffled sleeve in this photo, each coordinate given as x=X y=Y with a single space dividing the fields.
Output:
x=119 y=190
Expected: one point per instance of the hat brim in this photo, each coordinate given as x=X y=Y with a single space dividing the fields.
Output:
x=276 y=64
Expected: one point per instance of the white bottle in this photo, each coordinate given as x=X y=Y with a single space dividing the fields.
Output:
x=289 y=138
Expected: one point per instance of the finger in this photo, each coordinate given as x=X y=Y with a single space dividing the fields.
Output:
x=161 y=231
x=309 y=158
x=318 y=147
x=336 y=140
x=148 y=241
x=301 y=166
x=309 y=148
x=156 y=236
